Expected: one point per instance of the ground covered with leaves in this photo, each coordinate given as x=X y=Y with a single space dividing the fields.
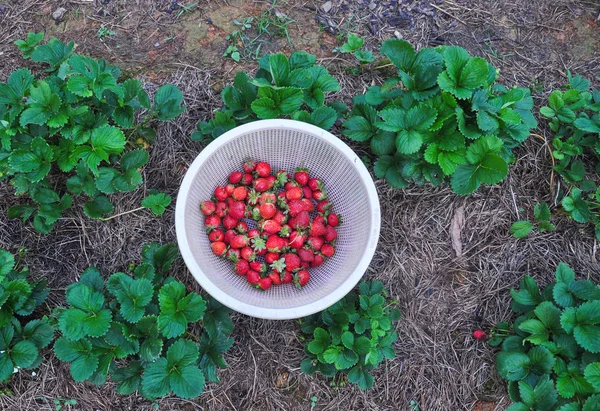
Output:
x=450 y=261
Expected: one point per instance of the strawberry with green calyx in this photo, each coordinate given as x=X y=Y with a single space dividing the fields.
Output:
x=279 y=265
x=212 y=222
x=315 y=184
x=280 y=217
x=270 y=226
x=259 y=267
x=275 y=277
x=301 y=278
x=320 y=195
x=229 y=189
x=253 y=233
x=247 y=179
x=334 y=220
x=271 y=257
x=272 y=180
x=216 y=235
x=267 y=197
x=219 y=248
x=331 y=234
x=287 y=277
x=253 y=277
x=317 y=228
x=281 y=201
x=316 y=243
x=247 y=254
x=297 y=239
x=241 y=227
x=259 y=245
x=302 y=220
x=255 y=214
x=265 y=283
x=263 y=169
x=240 y=193
x=285 y=231
x=301 y=176
x=282 y=178
x=221 y=194
x=208 y=207
x=233 y=255
x=249 y=166
x=235 y=177
x=327 y=250
x=323 y=206
x=275 y=244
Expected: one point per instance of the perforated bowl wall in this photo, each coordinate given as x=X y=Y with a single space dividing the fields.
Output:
x=285 y=144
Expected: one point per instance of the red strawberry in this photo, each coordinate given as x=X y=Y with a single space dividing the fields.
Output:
x=258 y=267
x=230 y=201
x=208 y=207
x=267 y=198
x=271 y=257
x=255 y=214
x=261 y=184
x=292 y=261
x=229 y=222
x=253 y=233
x=247 y=179
x=253 y=277
x=302 y=220
x=275 y=243
x=295 y=207
x=292 y=222
x=319 y=195
x=271 y=226
x=333 y=220
x=315 y=184
x=265 y=283
x=272 y=180
x=316 y=243
x=240 y=193
x=263 y=169
x=229 y=234
x=237 y=210
x=317 y=229
x=275 y=278
x=306 y=255
x=229 y=189
x=327 y=250
x=289 y=185
x=297 y=239
x=307 y=192
x=305 y=264
x=249 y=166
x=221 y=209
x=287 y=277
x=235 y=177
x=212 y=222
x=331 y=234
x=239 y=241
x=216 y=235
x=247 y=254
x=268 y=210
x=280 y=217
x=317 y=261
x=301 y=176
x=323 y=206
x=301 y=278
x=242 y=267
x=241 y=227
x=259 y=245
x=320 y=219
x=294 y=193
x=221 y=194
x=219 y=248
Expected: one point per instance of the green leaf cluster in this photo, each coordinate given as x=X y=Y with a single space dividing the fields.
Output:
x=574 y=118
x=551 y=358
x=541 y=212
x=135 y=328
x=353 y=336
x=75 y=122
x=354 y=45
x=20 y=340
x=442 y=116
x=283 y=87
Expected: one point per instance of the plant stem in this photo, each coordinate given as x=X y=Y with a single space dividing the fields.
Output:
x=123 y=213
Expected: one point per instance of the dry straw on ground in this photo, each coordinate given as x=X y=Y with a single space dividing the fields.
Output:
x=443 y=296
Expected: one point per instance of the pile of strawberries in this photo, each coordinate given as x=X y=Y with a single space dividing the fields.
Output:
x=273 y=227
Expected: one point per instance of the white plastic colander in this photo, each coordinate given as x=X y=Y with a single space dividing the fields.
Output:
x=287 y=145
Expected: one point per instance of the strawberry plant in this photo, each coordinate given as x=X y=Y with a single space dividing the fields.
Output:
x=541 y=212
x=21 y=336
x=551 y=353
x=353 y=336
x=136 y=327
x=354 y=45
x=282 y=87
x=573 y=117
x=442 y=116
x=70 y=132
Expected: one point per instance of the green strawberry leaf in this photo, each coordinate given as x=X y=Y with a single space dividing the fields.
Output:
x=521 y=229
x=157 y=203
x=168 y=103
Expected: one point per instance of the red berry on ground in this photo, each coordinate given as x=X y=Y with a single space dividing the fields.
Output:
x=480 y=335
x=208 y=207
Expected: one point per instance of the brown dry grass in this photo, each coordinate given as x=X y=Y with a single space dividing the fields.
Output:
x=443 y=297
